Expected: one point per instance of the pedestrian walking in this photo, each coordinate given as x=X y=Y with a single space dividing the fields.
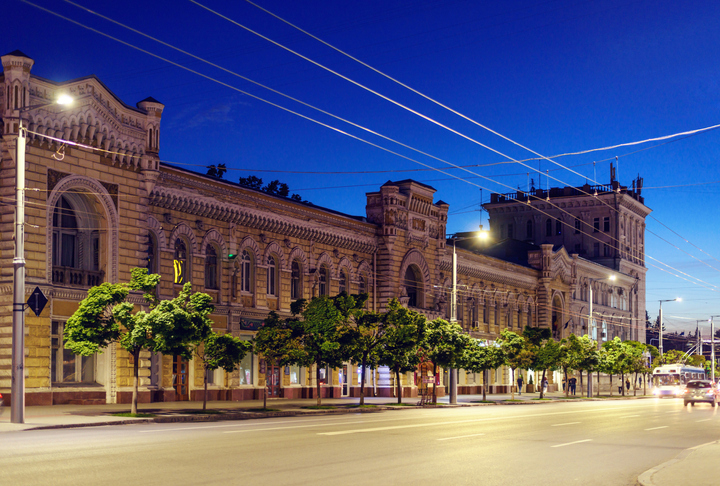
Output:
x=545 y=385
x=573 y=384
x=627 y=384
x=520 y=383
x=563 y=384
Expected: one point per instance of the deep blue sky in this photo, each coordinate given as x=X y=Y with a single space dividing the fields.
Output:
x=555 y=76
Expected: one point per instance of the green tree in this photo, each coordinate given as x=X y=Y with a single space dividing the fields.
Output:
x=220 y=351
x=517 y=352
x=547 y=358
x=538 y=337
x=217 y=171
x=587 y=358
x=672 y=356
x=404 y=331
x=611 y=359
x=481 y=357
x=444 y=345
x=322 y=331
x=171 y=326
x=366 y=332
x=278 y=343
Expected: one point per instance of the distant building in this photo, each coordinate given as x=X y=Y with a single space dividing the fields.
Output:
x=100 y=202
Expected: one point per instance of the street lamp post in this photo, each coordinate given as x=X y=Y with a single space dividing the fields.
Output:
x=660 y=330
x=452 y=373
x=591 y=321
x=17 y=387
x=712 y=347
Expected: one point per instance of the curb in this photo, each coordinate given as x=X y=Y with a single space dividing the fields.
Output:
x=645 y=479
x=179 y=418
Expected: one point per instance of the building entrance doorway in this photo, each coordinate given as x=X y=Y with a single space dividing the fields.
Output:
x=272 y=379
x=180 y=378
x=343 y=377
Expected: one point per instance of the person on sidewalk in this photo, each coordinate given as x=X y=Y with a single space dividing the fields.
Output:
x=520 y=383
x=627 y=384
x=545 y=385
x=573 y=384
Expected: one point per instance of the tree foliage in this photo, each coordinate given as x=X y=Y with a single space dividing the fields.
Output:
x=481 y=357
x=217 y=171
x=275 y=187
x=220 y=351
x=444 y=345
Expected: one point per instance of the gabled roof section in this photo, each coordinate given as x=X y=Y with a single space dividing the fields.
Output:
x=17 y=53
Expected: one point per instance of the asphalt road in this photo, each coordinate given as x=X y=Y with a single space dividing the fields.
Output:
x=588 y=443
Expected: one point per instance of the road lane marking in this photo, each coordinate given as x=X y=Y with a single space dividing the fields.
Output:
x=703 y=420
x=661 y=427
x=568 y=423
x=461 y=437
x=571 y=443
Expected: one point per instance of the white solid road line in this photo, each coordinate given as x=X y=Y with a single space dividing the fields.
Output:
x=568 y=423
x=461 y=437
x=656 y=428
x=571 y=443
x=629 y=416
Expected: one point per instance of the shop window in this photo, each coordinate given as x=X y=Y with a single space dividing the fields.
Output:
x=245 y=368
x=66 y=367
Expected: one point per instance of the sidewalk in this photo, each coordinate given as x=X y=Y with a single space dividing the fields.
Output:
x=63 y=416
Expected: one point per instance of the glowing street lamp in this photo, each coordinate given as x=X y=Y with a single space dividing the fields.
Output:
x=660 y=331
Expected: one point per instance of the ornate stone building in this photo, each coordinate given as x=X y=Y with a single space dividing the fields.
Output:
x=100 y=203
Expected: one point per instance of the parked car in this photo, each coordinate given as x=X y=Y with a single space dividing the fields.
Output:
x=700 y=391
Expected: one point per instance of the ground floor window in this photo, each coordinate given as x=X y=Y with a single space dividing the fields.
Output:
x=66 y=367
x=294 y=375
x=246 y=366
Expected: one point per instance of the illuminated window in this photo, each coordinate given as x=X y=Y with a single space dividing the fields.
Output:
x=180 y=262
x=66 y=367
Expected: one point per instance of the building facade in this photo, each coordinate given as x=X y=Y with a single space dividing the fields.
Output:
x=99 y=202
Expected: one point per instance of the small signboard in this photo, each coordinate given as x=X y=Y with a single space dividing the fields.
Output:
x=37 y=301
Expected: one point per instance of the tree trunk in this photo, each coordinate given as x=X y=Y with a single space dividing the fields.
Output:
x=398 y=385
x=611 y=385
x=567 y=383
x=542 y=385
x=486 y=377
x=512 y=384
x=318 y=388
x=622 y=383
x=635 y=385
x=581 y=385
x=597 y=393
x=136 y=368
x=362 y=382
x=645 y=383
x=205 y=389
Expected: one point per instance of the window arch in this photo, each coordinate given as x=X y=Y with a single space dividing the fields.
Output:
x=413 y=285
x=271 y=276
x=246 y=272
x=65 y=235
x=211 y=268
x=362 y=284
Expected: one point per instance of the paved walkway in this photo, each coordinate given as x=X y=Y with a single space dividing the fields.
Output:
x=695 y=463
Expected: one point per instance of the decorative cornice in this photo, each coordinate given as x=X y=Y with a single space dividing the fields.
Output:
x=263 y=220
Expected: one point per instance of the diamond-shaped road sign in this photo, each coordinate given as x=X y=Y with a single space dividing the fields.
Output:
x=37 y=301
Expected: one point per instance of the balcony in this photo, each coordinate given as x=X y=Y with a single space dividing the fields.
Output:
x=75 y=277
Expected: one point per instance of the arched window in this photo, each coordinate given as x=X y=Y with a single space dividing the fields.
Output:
x=548 y=227
x=343 y=282
x=486 y=313
x=271 y=276
x=65 y=235
x=323 y=287
x=246 y=275
x=558 y=228
x=295 y=281
x=529 y=229
x=211 y=268
x=362 y=285
x=151 y=258
x=529 y=316
x=180 y=262
x=412 y=286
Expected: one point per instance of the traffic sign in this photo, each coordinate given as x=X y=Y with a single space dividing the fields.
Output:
x=37 y=301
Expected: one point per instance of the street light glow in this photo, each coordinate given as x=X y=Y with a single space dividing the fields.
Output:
x=64 y=99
